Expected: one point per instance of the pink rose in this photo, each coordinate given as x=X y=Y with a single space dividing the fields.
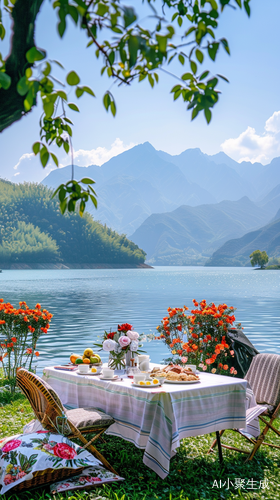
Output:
x=11 y=445
x=64 y=451
x=184 y=359
x=47 y=447
x=132 y=335
x=124 y=341
x=204 y=368
x=20 y=475
x=8 y=479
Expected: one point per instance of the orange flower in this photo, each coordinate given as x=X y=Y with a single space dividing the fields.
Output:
x=14 y=339
x=225 y=367
x=37 y=353
x=2 y=322
x=38 y=306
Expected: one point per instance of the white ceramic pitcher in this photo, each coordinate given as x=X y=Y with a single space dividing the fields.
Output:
x=144 y=362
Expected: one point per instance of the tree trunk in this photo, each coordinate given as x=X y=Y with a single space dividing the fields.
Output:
x=24 y=17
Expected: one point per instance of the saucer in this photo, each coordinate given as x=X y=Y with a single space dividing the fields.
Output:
x=115 y=377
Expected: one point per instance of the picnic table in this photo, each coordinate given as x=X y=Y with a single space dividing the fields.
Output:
x=157 y=418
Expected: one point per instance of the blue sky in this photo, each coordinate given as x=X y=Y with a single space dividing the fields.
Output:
x=245 y=123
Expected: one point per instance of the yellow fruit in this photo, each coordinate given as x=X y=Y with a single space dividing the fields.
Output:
x=88 y=353
x=94 y=359
x=79 y=361
x=93 y=370
x=86 y=361
x=141 y=382
x=155 y=381
x=148 y=382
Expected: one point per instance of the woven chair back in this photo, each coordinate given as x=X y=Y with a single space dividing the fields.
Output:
x=264 y=378
x=43 y=399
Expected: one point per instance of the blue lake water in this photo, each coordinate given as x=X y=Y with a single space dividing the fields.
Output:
x=85 y=302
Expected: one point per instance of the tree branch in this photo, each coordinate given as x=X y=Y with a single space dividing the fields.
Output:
x=24 y=16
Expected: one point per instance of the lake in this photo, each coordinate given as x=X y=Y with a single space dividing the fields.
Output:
x=85 y=302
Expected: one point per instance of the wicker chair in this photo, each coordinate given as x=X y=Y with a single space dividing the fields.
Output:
x=54 y=417
x=264 y=379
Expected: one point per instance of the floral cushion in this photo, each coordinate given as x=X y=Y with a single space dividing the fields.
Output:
x=24 y=455
x=92 y=476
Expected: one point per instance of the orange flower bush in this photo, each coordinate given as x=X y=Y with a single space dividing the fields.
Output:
x=200 y=338
x=20 y=330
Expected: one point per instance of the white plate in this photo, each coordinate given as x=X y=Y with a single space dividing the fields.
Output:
x=181 y=381
x=145 y=385
x=115 y=377
x=88 y=373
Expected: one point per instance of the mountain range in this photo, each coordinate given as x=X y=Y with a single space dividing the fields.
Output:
x=180 y=208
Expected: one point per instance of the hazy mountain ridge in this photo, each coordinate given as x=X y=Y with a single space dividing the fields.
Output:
x=189 y=235
x=236 y=252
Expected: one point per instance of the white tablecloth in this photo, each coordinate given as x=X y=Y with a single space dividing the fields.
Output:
x=156 y=419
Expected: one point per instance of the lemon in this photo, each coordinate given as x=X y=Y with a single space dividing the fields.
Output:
x=141 y=382
x=155 y=381
x=93 y=370
x=148 y=382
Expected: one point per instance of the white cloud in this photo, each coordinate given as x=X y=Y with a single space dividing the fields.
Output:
x=29 y=169
x=26 y=156
x=100 y=155
x=254 y=147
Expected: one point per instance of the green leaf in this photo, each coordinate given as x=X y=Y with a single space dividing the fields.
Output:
x=113 y=108
x=88 y=90
x=212 y=50
x=180 y=21
x=44 y=156
x=48 y=108
x=63 y=206
x=194 y=112
x=133 y=48
x=35 y=54
x=61 y=27
x=187 y=76
x=28 y=101
x=66 y=147
x=54 y=159
x=162 y=43
x=181 y=59
x=199 y=55
x=22 y=86
x=5 y=80
x=58 y=63
x=204 y=75
x=62 y=94
x=61 y=194
x=72 y=78
x=86 y=180
x=208 y=115
x=28 y=73
x=223 y=77
x=73 y=106
x=79 y=92
x=129 y=16
x=106 y=100
x=94 y=200
x=36 y=147
x=193 y=66
x=47 y=69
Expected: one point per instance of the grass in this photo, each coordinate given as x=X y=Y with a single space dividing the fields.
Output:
x=194 y=475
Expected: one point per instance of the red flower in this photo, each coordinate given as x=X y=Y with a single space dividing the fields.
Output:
x=11 y=445
x=125 y=327
x=64 y=451
x=111 y=335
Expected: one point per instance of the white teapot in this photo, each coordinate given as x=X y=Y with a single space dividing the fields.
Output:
x=144 y=362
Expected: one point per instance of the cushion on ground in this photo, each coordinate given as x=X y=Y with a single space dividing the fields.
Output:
x=92 y=476
x=29 y=460
x=84 y=418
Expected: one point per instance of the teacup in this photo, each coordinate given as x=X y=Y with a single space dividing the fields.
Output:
x=139 y=377
x=191 y=367
x=107 y=373
x=83 y=368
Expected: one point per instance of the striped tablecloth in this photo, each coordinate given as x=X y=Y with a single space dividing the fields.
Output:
x=157 y=419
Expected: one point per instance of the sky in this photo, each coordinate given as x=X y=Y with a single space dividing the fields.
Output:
x=245 y=123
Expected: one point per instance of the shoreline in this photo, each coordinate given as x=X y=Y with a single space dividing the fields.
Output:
x=23 y=266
